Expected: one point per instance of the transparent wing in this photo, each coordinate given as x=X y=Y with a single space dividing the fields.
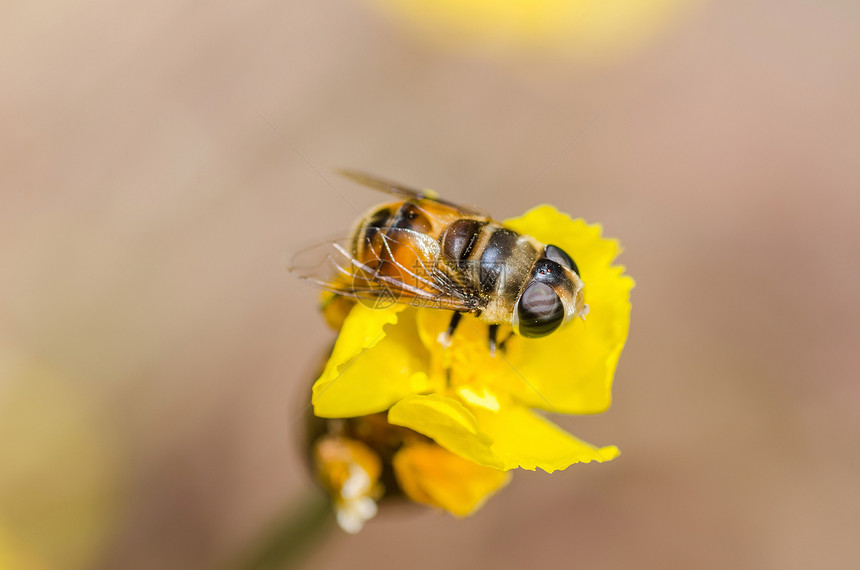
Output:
x=398 y=265
x=406 y=192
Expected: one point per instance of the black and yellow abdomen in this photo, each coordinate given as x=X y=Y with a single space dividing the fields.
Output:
x=481 y=258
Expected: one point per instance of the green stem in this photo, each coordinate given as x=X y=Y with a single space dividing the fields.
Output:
x=291 y=537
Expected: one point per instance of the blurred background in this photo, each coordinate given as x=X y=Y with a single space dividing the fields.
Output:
x=158 y=164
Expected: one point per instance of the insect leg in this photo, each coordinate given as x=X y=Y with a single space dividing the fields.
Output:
x=445 y=337
x=493 y=332
x=504 y=342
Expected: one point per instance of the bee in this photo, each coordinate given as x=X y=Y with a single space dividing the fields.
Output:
x=428 y=252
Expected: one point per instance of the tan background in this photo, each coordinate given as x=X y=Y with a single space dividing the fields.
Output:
x=155 y=353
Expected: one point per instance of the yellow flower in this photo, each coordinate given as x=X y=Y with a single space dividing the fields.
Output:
x=362 y=460
x=432 y=475
x=349 y=470
x=479 y=406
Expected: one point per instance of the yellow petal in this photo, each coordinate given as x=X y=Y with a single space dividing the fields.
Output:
x=432 y=475
x=522 y=438
x=374 y=364
x=571 y=370
x=508 y=438
x=449 y=423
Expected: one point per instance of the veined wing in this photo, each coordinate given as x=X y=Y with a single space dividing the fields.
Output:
x=397 y=265
x=406 y=192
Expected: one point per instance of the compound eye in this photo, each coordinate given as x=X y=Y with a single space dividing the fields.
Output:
x=561 y=257
x=539 y=311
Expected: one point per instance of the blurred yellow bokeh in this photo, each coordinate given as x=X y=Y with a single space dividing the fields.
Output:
x=58 y=482
x=587 y=30
x=15 y=555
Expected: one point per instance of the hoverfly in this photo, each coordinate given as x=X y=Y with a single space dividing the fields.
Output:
x=426 y=251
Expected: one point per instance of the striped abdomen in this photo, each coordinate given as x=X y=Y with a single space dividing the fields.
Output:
x=486 y=262
x=380 y=243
